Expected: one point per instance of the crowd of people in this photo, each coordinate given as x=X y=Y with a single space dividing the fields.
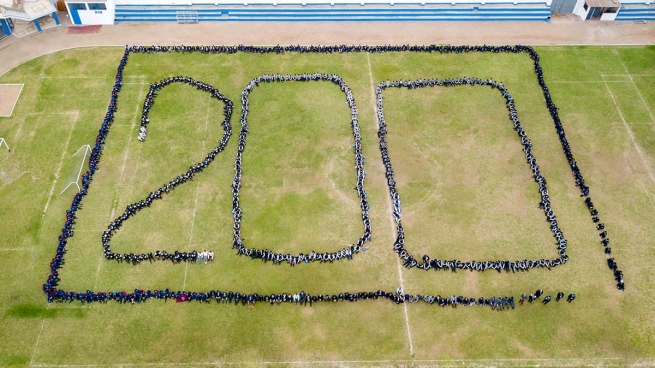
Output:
x=293 y=259
x=442 y=49
x=427 y=262
x=537 y=294
x=132 y=209
x=50 y=287
x=498 y=303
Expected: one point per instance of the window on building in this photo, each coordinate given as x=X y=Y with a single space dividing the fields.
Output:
x=97 y=6
x=77 y=6
x=586 y=7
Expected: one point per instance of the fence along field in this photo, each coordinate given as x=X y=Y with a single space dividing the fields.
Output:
x=85 y=267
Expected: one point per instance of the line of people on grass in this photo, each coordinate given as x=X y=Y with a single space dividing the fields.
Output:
x=329 y=49
x=50 y=286
x=537 y=294
x=577 y=175
x=299 y=298
x=427 y=262
x=132 y=209
x=293 y=259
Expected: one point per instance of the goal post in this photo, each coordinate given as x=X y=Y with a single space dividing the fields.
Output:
x=76 y=170
x=4 y=142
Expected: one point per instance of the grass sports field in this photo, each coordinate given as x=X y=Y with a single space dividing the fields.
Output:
x=467 y=194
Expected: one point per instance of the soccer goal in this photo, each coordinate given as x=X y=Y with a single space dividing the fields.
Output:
x=4 y=142
x=73 y=177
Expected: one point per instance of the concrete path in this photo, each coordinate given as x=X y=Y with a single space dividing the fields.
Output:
x=568 y=30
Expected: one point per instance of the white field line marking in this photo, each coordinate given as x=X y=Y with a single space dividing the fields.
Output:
x=29 y=249
x=95 y=283
x=121 y=179
x=625 y=75
x=418 y=205
x=634 y=168
x=136 y=169
x=49 y=54
x=391 y=220
x=129 y=139
x=61 y=162
x=55 y=113
x=20 y=127
x=637 y=89
x=650 y=197
x=541 y=45
x=193 y=221
x=83 y=77
x=632 y=137
x=342 y=196
x=588 y=81
x=558 y=361
x=17 y=97
x=195 y=205
x=38 y=338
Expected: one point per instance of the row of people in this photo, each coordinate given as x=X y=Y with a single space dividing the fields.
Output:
x=294 y=259
x=605 y=242
x=537 y=294
x=50 y=286
x=132 y=209
x=299 y=298
x=205 y=256
x=327 y=49
x=427 y=262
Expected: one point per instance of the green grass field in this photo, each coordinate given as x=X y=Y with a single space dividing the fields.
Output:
x=467 y=194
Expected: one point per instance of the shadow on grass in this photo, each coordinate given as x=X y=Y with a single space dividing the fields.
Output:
x=14 y=360
x=39 y=311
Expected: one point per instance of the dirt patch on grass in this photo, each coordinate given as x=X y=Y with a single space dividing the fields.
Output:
x=471 y=283
x=9 y=176
x=156 y=239
x=524 y=349
x=9 y=94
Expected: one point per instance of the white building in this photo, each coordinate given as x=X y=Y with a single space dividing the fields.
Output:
x=91 y=12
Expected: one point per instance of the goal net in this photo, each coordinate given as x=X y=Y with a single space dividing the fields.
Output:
x=73 y=170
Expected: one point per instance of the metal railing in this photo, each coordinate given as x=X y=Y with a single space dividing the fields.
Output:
x=186 y=16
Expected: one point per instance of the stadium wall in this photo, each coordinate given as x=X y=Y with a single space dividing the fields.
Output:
x=193 y=11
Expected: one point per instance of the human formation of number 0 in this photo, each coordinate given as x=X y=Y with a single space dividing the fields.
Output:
x=425 y=263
